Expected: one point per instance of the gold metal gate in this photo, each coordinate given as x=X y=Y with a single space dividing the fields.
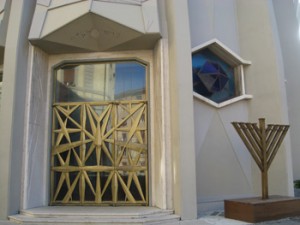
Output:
x=99 y=153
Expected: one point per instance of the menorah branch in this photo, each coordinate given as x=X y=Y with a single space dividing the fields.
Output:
x=263 y=144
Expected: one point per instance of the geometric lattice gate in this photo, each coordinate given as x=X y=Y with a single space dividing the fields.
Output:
x=99 y=153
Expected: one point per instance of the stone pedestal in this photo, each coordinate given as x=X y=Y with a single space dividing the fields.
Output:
x=255 y=210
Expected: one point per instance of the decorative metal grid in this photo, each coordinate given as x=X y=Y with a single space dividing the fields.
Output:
x=99 y=153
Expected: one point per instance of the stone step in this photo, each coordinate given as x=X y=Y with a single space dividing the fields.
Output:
x=59 y=215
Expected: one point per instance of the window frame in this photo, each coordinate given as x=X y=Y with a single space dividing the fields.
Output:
x=145 y=58
x=66 y=63
x=233 y=60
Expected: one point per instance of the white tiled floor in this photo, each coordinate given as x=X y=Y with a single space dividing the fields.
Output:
x=217 y=218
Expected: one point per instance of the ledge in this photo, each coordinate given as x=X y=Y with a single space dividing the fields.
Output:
x=81 y=215
x=223 y=104
x=222 y=51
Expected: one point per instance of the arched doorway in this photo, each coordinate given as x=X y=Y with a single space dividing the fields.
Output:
x=99 y=152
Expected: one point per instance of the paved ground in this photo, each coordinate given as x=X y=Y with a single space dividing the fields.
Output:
x=217 y=218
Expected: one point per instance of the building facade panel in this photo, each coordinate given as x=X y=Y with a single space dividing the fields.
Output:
x=195 y=157
x=248 y=36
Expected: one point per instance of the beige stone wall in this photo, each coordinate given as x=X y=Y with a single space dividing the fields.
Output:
x=225 y=169
x=287 y=12
x=14 y=98
x=264 y=79
x=181 y=110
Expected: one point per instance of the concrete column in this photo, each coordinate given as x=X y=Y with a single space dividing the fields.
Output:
x=13 y=105
x=181 y=113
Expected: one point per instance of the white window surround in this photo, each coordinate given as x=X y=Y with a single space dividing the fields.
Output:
x=223 y=104
x=231 y=58
x=144 y=57
x=35 y=190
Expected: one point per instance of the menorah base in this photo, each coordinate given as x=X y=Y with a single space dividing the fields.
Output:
x=255 y=210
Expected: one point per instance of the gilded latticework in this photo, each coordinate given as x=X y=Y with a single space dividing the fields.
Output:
x=99 y=153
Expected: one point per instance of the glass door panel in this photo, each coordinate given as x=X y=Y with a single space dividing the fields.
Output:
x=99 y=137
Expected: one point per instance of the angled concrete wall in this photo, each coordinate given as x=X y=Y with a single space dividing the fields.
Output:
x=169 y=157
x=181 y=108
x=265 y=80
x=288 y=22
x=13 y=105
x=224 y=167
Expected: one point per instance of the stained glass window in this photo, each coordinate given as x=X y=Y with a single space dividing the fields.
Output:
x=212 y=77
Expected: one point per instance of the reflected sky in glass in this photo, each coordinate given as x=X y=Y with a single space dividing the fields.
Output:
x=130 y=79
x=100 y=82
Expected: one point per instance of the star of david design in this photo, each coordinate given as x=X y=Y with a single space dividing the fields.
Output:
x=213 y=76
x=99 y=153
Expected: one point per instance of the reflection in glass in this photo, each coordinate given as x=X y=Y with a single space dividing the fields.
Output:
x=100 y=82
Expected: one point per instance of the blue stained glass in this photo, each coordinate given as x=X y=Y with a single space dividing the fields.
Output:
x=212 y=77
x=210 y=67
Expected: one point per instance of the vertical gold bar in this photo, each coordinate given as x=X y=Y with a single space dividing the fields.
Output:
x=114 y=153
x=98 y=189
x=264 y=174
x=82 y=187
x=52 y=158
x=115 y=188
x=82 y=134
x=82 y=154
x=146 y=155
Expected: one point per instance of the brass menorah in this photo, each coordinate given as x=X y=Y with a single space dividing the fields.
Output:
x=263 y=144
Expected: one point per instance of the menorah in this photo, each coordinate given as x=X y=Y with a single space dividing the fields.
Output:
x=263 y=144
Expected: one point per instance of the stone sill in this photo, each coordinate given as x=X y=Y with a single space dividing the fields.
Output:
x=223 y=104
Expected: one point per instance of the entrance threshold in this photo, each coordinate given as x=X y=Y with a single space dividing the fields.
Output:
x=79 y=215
